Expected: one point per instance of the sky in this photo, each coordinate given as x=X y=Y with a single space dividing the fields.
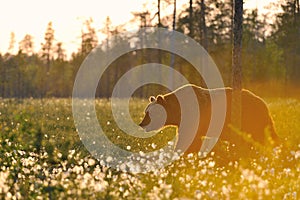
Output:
x=32 y=16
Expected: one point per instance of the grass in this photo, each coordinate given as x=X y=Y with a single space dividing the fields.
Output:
x=42 y=157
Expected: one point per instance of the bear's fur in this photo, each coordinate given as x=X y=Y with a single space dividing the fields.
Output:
x=255 y=116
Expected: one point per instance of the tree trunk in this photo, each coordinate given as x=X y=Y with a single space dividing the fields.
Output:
x=174 y=15
x=191 y=19
x=204 y=38
x=107 y=81
x=158 y=37
x=158 y=13
x=172 y=61
x=237 y=63
x=232 y=13
x=237 y=45
x=3 y=77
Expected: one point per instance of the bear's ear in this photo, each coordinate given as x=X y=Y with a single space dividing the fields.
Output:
x=152 y=99
x=160 y=99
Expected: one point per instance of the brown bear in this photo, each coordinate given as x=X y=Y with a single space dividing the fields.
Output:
x=255 y=117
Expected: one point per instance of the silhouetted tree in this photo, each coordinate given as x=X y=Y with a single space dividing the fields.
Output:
x=26 y=45
x=174 y=15
x=89 y=38
x=237 y=45
x=237 y=63
x=60 y=52
x=108 y=36
x=286 y=35
x=12 y=42
x=158 y=14
x=47 y=56
x=191 y=28
x=204 y=38
x=265 y=57
x=60 y=74
x=2 y=77
x=47 y=46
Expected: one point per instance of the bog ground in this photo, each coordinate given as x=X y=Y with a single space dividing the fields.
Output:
x=42 y=157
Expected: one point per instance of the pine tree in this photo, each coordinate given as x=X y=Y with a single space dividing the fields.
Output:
x=47 y=46
x=286 y=35
x=89 y=38
x=12 y=42
x=60 y=52
x=26 y=45
x=59 y=72
x=47 y=57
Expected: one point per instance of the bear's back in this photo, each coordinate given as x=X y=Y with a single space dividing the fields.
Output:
x=256 y=119
x=255 y=116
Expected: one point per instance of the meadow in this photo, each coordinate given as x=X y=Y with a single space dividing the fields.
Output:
x=42 y=157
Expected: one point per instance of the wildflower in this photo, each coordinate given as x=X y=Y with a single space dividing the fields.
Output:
x=91 y=162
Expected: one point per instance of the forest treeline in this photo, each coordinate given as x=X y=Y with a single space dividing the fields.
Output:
x=271 y=51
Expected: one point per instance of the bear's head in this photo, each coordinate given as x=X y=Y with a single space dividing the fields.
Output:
x=160 y=112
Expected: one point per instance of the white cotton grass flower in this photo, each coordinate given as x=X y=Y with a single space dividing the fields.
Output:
x=290 y=195
x=78 y=169
x=109 y=159
x=163 y=191
x=71 y=152
x=226 y=190
x=28 y=162
x=296 y=154
x=211 y=164
x=4 y=187
x=198 y=194
x=287 y=171
x=262 y=183
x=59 y=155
x=153 y=145
x=91 y=162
